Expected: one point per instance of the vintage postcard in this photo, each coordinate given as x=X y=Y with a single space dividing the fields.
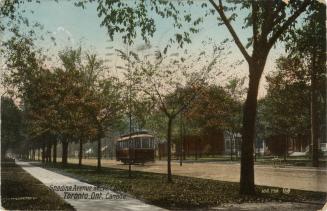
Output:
x=163 y=105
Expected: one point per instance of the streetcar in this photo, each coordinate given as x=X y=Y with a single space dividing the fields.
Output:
x=138 y=147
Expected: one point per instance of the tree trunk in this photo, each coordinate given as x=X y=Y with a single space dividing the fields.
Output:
x=231 y=148
x=181 y=153
x=49 y=152
x=64 y=152
x=169 y=177
x=38 y=154
x=248 y=130
x=286 y=149
x=314 y=114
x=33 y=154
x=99 y=154
x=181 y=143
x=196 y=150
x=80 y=154
x=54 y=160
x=43 y=153
x=184 y=154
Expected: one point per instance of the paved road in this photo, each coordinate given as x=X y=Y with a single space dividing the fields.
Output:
x=108 y=200
x=302 y=178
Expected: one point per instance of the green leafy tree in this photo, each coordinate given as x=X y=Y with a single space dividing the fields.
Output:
x=11 y=126
x=214 y=108
x=269 y=20
x=308 y=44
x=25 y=79
x=90 y=104
x=108 y=110
x=70 y=91
x=171 y=87
x=285 y=109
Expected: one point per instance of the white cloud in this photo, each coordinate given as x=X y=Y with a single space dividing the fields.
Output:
x=61 y=29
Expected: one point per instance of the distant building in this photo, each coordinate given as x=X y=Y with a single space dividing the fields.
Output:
x=232 y=143
x=210 y=142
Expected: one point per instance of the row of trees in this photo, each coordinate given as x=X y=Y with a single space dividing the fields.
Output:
x=270 y=21
x=78 y=101
x=68 y=103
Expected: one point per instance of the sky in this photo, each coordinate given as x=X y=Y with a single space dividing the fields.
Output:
x=72 y=26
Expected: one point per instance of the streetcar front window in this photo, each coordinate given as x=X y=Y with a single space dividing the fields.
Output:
x=145 y=143
x=132 y=143
x=137 y=143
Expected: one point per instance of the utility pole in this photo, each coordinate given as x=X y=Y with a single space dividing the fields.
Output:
x=130 y=115
x=181 y=147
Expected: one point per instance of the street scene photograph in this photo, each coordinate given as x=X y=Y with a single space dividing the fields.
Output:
x=153 y=105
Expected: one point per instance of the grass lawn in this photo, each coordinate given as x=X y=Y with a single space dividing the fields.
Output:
x=183 y=193
x=21 y=191
x=304 y=161
x=291 y=161
x=266 y=160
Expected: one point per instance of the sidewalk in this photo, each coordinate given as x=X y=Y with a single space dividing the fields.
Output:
x=88 y=198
